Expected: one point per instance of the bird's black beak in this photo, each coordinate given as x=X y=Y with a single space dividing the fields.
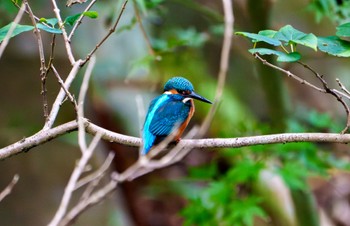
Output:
x=198 y=97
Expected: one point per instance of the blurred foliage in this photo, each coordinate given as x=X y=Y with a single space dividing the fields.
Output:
x=335 y=10
x=229 y=197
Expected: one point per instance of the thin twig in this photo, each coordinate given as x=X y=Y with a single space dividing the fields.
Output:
x=9 y=187
x=144 y=34
x=78 y=22
x=60 y=81
x=12 y=29
x=95 y=198
x=343 y=88
x=331 y=92
x=289 y=74
x=111 y=31
x=98 y=173
x=64 y=32
x=224 y=63
x=43 y=70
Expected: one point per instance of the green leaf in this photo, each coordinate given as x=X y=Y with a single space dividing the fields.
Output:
x=259 y=38
x=18 y=30
x=343 y=30
x=49 y=29
x=91 y=14
x=70 y=20
x=291 y=35
x=294 y=175
x=268 y=33
x=334 y=45
x=282 y=57
x=52 y=21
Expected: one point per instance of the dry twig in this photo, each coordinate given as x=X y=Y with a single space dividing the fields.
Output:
x=110 y=32
x=12 y=28
x=9 y=187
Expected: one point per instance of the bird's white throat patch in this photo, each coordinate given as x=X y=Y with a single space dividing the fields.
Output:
x=186 y=99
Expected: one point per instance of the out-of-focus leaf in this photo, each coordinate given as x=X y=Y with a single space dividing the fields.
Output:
x=260 y=38
x=343 y=30
x=334 y=45
x=18 y=30
x=282 y=57
x=294 y=175
x=291 y=35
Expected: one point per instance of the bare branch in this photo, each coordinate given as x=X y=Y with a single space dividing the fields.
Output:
x=9 y=187
x=87 y=151
x=82 y=94
x=43 y=70
x=331 y=92
x=145 y=37
x=12 y=29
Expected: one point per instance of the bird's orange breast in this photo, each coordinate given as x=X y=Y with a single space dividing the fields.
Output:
x=183 y=126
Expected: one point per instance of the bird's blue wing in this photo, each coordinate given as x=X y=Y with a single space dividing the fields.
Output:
x=167 y=116
x=163 y=115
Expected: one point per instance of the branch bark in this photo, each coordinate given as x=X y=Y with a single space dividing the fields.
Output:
x=44 y=136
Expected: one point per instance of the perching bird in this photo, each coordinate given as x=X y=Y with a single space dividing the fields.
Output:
x=169 y=113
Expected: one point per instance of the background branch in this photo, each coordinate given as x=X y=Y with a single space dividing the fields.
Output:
x=9 y=187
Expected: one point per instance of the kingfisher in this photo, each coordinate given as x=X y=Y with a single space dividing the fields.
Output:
x=169 y=113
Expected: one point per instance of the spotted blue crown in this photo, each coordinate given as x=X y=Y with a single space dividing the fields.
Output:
x=178 y=83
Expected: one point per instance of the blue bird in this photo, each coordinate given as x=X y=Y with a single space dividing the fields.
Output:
x=169 y=113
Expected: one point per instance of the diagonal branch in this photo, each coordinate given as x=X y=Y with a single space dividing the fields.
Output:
x=111 y=31
x=9 y=187
x=224 y=64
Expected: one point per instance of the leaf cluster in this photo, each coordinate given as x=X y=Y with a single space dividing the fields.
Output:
x=49 y=25
x=288 y=38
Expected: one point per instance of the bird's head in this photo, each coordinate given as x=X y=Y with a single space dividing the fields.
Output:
x=184 y=88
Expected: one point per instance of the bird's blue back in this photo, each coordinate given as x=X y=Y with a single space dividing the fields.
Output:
x=166 y=113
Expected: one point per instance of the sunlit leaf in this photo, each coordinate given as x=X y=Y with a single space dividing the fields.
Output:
x=18 y=30
x=290 y=35
x=260 y=38
x=268 y=33
x=334 y=45
x=282 y=57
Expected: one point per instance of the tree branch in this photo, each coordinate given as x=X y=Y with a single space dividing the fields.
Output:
x=44 y=136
